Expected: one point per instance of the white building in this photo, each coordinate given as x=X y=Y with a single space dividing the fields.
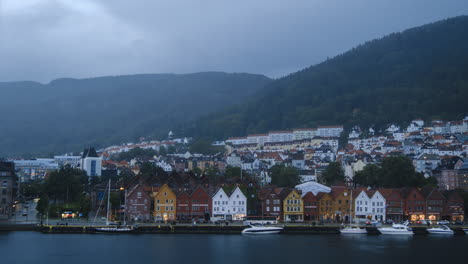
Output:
x=280 y=136
x=72 y=161
x=233 y=160
x=91 y=163
x=257 y=139
x=370 y=207
x=329 y=131
x=233 y=207
x=237 y=140
x=304 y=133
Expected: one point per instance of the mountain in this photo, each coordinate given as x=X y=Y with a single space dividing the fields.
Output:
x=418 y=73
x=71 y=114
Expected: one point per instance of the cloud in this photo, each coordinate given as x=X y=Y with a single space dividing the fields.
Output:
x=46 y=39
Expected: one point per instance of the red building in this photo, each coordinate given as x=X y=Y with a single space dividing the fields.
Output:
x=311 y=212
x=200 y=203
x=271 y=201
x=435 y=203
x=415 y=207
x=183 y=206
x=193 y=206
x=138 y=203
x=395 y=204
x=454 y=208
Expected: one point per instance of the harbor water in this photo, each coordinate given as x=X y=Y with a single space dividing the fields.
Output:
x=35 y=247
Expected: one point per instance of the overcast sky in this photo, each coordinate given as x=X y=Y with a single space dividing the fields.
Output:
x=46 y=39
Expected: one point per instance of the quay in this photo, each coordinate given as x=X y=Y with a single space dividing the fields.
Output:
x=216 y=229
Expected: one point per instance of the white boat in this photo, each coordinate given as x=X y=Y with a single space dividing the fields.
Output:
x=110 y=226
x=396 y=229
x=441 y=230
x=353 y=230
x=260 y=230
x=465 y=230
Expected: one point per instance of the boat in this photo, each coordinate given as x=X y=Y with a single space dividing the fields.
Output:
x=465 y=230
x=396 y=229
x=440 y=230
x=352 y=229
x=260 y=230
x=112 y=227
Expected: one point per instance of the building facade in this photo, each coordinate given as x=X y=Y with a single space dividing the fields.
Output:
x=8 y=189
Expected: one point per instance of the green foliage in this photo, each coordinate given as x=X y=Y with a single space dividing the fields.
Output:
x=32 y=189
x=213 y=174
x=204 y=147
x=66 y=184
x=395 y=172
x=333 y=174
x=284 y=176
x=134 y=153
x=197 y=171
x=65 y=115
x=419 y=73
x=42 y=204
x=232 y=172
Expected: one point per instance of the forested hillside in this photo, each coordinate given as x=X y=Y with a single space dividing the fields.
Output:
x=419 y=73
x=70 y=114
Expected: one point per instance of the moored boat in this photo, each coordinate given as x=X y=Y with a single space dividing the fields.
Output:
x=353 y=230
x=440 y=230
x=259 y=229
x=396 y=229
x=465 y=230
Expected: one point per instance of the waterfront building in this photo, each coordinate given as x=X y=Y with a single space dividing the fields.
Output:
x=165 y=204
x=435 y=203
x=8 y=189
x=271 y=200
x=138 y=203
x=326 y=212
x=341 y=203
x=310 y=207
x=415 y=204
x=293 y=207
x=200 y=203
x=394 y=203
x=454 y=208
x=231 y=206
x=183 y=206
x=72 y=161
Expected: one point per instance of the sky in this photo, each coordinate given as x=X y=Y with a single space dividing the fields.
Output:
x=41 y=40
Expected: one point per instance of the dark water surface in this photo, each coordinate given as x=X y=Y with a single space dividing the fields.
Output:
x=34 y=247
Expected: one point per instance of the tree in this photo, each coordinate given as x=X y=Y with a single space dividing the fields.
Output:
x=232 y=172
x=398 y=171
x=369 y=176
x=333 y=173
x=197 y=171
x=42 y=204
x=284 y=176
x=212 y=173
x=204 y=147
x=66 y=184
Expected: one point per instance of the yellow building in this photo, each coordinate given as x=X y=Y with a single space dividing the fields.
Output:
x=326 y=212
x=293 y=207
x=341 y=204
x=164 y=204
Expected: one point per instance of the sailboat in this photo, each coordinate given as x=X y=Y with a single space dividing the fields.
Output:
x=112 y=227
x=352 y=229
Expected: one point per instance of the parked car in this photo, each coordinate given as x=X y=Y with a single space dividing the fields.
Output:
x=424 y=222
x=458 y=222
x=389 y=221
x=373 y=223
x=443 y=222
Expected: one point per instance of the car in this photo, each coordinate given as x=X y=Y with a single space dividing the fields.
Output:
x=373 y=223
x=389 y=221
x=458 y=222
x=443 y=222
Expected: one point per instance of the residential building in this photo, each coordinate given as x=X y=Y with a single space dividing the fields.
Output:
x=230 y=207
x=8 y=189
x=415 y=204
x=395 y=204
x=165 y=204
x=138 y=203
x=293 y=207
x=454 y=210
x=311 y=212
x=329 y=131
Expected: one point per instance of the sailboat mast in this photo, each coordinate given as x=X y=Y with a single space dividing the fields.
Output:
x=351 y=206
x=125 y=207
x=108 y=203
